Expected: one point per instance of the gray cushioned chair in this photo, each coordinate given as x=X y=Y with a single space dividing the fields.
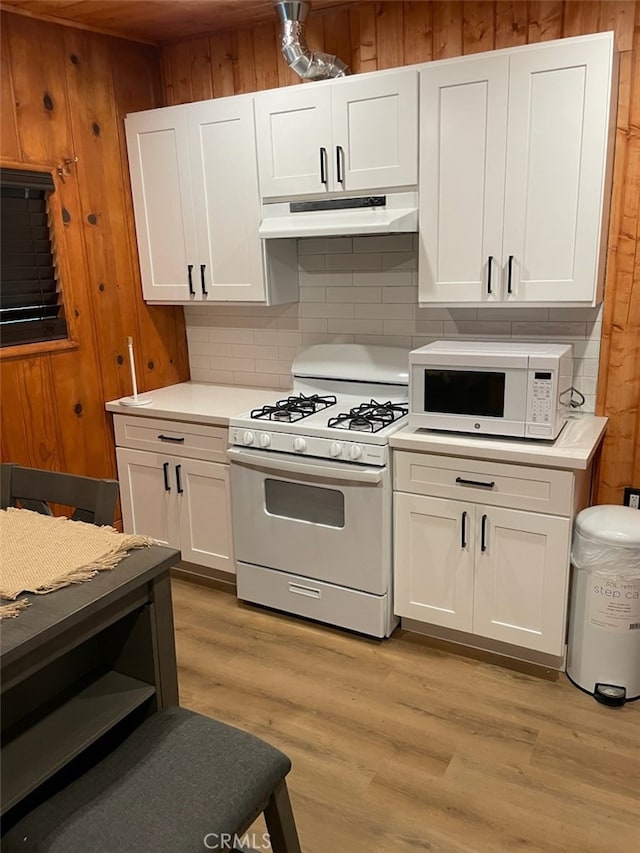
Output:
x=180 y=783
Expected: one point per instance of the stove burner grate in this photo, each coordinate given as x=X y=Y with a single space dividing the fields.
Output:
x=369 y=417
x=294 y=408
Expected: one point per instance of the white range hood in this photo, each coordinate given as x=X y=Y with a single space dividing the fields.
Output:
x=392 y=213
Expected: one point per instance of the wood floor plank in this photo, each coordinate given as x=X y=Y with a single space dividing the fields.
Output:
x=398 y=746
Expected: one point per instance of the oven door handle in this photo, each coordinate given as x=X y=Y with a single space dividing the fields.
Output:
x=283 y=466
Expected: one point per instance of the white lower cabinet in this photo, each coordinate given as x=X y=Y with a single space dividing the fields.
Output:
x=491 y=571
x=177 y=500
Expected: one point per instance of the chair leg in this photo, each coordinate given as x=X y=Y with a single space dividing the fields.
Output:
x=281 y=825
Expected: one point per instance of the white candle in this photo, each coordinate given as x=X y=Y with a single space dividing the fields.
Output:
x=133 y=368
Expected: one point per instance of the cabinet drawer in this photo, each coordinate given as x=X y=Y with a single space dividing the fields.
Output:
x=326 y=602
x=199 y=441
x=493 y=483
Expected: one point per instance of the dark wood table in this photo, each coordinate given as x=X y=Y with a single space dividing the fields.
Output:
x=79 y=661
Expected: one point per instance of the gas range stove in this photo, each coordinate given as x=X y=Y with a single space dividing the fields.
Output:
x=333 y=412
x=311 y=489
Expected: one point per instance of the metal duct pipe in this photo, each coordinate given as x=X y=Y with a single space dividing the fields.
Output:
x=309 y=64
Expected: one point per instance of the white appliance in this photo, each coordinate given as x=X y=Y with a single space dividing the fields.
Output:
x=311 y=489
x=388 y=213
x=486 y=388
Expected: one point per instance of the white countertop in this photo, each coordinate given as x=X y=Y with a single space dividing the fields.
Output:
x=199 y=402
x=573 y=448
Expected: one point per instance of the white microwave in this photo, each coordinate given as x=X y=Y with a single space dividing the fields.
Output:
x=484 y=388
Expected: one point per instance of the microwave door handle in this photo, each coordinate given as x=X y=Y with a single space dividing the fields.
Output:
x=285 y=466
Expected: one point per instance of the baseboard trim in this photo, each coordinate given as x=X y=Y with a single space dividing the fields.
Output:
x=528 y=661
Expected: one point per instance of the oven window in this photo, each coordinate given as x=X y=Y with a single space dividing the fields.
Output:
x=464 y=392
x=314 y=504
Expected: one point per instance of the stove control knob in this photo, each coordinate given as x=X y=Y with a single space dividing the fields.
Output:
x=356 y=451
x=265 y=439
x=335 y=449
x=299 y=444
x=247 y=437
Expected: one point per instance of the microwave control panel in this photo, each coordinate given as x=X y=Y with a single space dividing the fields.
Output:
x=542 y=388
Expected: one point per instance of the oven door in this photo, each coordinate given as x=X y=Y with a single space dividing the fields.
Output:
x=312 y=518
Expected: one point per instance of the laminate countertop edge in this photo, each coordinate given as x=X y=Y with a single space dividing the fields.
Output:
x=573 y=449
x=199 y=402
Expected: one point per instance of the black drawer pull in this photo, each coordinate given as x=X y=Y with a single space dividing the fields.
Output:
x=489 y=265
x=178 y=482
x=463 y=534
x=323 y=166
x=165 y=471
x=509 y=277
x=483 y=542
x=190 y=274
x=205 y=292
x=475 y=483
x=339 y=162
x=171 y=438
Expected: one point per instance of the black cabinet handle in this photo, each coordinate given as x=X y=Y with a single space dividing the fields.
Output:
x=339 y=162
x=510 y=275
x=463 y=534
x=205 y=292
x=173 y=438
x=190 y=271
x=483 y=535
x=165 y=471
x=475 y=483
x=323 y=166
x=489 y=265
x=178 y=481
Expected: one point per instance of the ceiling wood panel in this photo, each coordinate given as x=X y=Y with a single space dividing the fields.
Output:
x=153 y=21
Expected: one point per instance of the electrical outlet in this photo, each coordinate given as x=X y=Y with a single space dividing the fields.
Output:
x=632 y=497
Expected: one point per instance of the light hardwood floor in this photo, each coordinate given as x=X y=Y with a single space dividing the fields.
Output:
x=398 y=746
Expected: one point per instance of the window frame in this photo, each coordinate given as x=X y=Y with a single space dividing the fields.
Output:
x=57 y=236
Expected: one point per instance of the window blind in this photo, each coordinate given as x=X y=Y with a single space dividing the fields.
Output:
x=30 y=307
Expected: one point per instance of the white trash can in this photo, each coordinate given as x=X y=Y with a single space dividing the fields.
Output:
x=603 y=655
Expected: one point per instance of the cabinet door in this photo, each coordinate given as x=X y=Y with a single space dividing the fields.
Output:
x=147 y=495
x=463 y=130
x=226 y=200
x=375 y=131
x=162 y=202
x=556 y=160
x=433 y=565
x=204 y=512
x=293 y=128
x=521 y=575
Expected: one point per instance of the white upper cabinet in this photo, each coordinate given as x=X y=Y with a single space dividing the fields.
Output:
x=350 y=134
x=225 y=195
x=514 y=171
x=463 y=137
x=197 y=207
x=556 y=162
x=162 y=204
x=293 y=131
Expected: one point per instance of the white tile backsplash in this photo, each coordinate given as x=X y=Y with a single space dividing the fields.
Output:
x=364 y=290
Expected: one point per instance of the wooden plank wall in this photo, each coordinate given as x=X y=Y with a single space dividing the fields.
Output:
x=372 y=36
x=53 y=403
